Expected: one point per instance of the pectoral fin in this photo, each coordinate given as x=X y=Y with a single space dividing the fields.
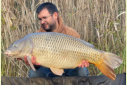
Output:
x=57 y=71
x=31 y=65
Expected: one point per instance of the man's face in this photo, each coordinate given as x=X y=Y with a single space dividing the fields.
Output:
x=47 y=21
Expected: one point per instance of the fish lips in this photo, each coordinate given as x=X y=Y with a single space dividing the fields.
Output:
x=9 y=53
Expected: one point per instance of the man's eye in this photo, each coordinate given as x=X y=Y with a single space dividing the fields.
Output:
x=44 y=17
x=39 y=18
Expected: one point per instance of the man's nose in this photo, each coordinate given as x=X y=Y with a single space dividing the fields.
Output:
x=42 y=21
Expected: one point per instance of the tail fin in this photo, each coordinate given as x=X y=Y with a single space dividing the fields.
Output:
x=108 y=64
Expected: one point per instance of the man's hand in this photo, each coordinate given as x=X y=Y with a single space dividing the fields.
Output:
x=84 y=64
x=33 y=60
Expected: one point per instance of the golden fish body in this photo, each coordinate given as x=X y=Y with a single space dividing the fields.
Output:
x=59 y=51
x=56 y=50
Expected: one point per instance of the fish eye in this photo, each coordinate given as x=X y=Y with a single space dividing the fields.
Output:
x=14 y=45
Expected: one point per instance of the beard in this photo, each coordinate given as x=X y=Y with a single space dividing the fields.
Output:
x=50 y=27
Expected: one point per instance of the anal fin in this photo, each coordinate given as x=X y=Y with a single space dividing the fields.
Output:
x=57 y=71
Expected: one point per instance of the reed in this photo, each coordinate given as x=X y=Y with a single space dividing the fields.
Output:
x=100 y=22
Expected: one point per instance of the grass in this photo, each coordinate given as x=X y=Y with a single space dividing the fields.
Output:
x=99 y=22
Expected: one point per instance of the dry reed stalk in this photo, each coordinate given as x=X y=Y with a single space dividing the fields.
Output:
x=100 y=22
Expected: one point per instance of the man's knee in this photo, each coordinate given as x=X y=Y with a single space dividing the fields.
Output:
x=83 y=72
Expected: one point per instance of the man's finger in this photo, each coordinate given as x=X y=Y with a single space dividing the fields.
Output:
x=84 y=64
x=34 y=61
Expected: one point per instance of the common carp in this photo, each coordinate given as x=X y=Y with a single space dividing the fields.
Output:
x=58 y=51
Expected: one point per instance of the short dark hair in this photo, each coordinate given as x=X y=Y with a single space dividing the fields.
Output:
x=49 y=6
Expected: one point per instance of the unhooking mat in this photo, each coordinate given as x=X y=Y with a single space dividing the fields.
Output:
x=91 y=80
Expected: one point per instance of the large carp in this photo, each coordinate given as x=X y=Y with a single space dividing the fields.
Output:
x=58 y=51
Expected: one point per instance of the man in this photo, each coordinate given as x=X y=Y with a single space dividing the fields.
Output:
x=51 y=22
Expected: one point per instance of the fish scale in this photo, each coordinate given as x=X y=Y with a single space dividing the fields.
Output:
x=58 y=51
x=66 y=50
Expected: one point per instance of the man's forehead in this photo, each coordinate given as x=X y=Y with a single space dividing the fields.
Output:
x=43 y=12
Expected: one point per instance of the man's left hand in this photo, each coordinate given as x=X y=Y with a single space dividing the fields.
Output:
x=84 y=64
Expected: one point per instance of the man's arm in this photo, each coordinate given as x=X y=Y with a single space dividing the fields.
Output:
x=71 y=31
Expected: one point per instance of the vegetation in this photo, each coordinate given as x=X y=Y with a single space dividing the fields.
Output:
x=100 y=22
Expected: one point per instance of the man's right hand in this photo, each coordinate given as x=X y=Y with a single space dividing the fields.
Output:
x=33 y=60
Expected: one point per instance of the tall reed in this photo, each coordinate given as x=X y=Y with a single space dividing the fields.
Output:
x=100 y=22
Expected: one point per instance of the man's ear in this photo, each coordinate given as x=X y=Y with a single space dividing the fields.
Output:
x=55 y=15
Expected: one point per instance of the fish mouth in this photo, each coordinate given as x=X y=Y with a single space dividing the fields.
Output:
x=8 y=53
x=11 y=54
